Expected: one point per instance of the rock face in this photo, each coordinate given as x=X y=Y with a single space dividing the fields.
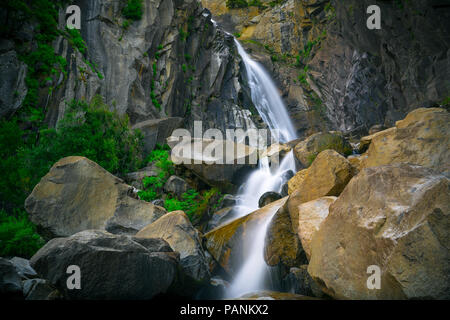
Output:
x=111 y=266
x=307 y=150
x=77 y=194
x=39 y=289
x=156 y=131
x=421 y=138
x=307 y=217
x=230 y=244
x=173 y=62
x=219 y=217
x=282 y=246
x=395 y=217
x=355 y=77
x=12 y=82
x=177 y=230
x=328 y=175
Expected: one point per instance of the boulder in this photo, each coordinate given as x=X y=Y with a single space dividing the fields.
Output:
x=23 y=268
x=176 y=186
x=39 y=289
x=155 y=131
x=221 y=169
x=268 y=197
x=77 y=194
x=327 y=176
x=422 y=138
x=307 y=217
x=10 y=282
x=219 y=217
x=228 y=200
x=298 y=281
x=111 y=266
x=282 y=246
x=231 y=243
x=135 y=178
x=295 y=182
x=308 y=149
x=276 y=152
x=395 y=217
x=177 y=230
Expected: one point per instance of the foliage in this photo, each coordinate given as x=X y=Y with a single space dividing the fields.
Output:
x=86 y=130
x=133 y=10
x=77 y=40
x=18 y=236
x=232 y=4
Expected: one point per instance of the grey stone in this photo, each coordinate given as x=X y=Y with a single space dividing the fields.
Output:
x=176 y=185
x=112 y=266
x=10 y=282
x=23 y=268
x=268 y=198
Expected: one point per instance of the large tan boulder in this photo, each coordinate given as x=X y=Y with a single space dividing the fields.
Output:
x=282 y=245
x=422 y=138
x=296 y=181
x=177 y=230
x=396 y=217
x=307 y=217
x=327 y=176
x=307 y=150
x=217 y=162
x=231 y=243
x=77 y=194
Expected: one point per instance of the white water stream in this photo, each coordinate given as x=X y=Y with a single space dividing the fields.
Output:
x=271 y=108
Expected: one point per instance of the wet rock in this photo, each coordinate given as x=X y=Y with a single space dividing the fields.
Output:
x=230 y=244
x=395 y=217
x=268 y=197
x=158 y=202
x=77 y=194
x=282 y=245
x=219 y=217
x=177 y=230
x=228 y=200
x=112 y=266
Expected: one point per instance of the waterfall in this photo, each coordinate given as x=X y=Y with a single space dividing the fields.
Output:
x=266 y=98
x=271 y=108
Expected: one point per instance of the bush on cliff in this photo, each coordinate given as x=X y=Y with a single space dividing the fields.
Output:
x=88 y=130
x=18 y=236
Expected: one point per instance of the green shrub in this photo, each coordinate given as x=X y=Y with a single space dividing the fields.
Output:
x=133 y=10
x=86 y=130
x=77 y=40
x=236 y=4
x=18 y=236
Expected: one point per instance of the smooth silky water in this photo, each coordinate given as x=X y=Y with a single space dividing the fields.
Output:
x=254 y=271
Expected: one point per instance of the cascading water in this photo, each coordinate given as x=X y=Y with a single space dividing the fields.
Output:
x=271 y=108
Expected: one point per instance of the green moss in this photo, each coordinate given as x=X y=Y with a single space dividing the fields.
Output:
x=233 y=4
